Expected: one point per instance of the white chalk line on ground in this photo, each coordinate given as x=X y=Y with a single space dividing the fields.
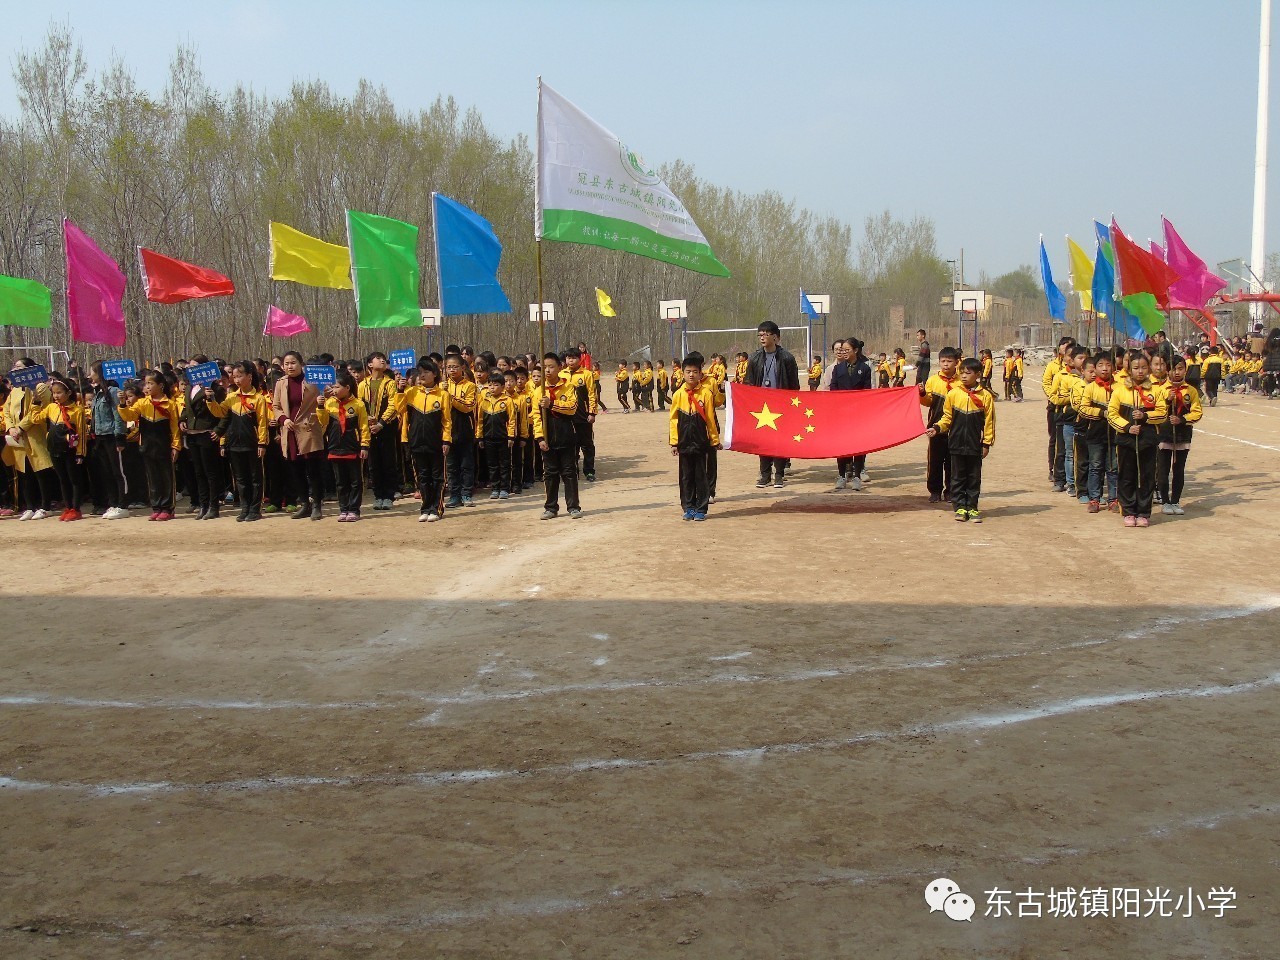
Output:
x=1223 y=436
x=445 y=778
x=479 y=697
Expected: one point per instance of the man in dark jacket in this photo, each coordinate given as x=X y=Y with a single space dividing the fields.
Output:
x=772 y=366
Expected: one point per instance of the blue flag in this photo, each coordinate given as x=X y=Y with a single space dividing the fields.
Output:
x=467 y=257
x=1057 y=299
x=1104 y=290
x=808 y=308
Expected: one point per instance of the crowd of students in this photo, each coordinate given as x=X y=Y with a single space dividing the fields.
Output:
x=264 y=439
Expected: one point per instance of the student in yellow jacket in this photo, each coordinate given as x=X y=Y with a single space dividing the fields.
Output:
x=347 y=439
x=1135 y=411
x=29 y=447
x=496 y=423
x=1175 y=437
x=426 y=429
x=933 y=394
x=555 y=406
x=378 y=393
x=462 y=451
x=622 y=378
x=157 y=418
x=67 y=422
x=1099 y=439
x=969 y=421
x=243 y=429
x=695 y=436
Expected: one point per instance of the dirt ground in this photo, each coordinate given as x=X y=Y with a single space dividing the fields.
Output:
x=629 y=736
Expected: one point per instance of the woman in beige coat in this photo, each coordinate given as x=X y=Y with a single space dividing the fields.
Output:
x=29 y=446
x=293 y=410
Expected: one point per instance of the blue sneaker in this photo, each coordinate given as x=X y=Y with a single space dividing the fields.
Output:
x=699 y=516
x=688 y=515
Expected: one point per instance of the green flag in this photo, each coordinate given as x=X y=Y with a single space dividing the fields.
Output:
x=384 y=270
x=24 y=303
x=1143 y=306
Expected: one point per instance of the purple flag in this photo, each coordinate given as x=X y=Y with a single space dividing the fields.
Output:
x=1195 y=284
x=95 y=291
x=281 y=324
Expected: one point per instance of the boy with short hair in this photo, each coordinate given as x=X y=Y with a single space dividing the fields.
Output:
x=933 y=394
x=1099 y=438
x=968 y=421
x=496 y=434
x=695 y=436
x=462 y=406
x=555 y=404
x=583 y=383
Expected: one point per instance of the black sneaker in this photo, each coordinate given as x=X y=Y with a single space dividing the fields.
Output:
x=590 y=477
x=762 y=482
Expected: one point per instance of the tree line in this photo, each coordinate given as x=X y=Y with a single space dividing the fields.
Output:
x=197 y=174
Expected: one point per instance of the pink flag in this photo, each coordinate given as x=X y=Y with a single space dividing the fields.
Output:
x=281 y=324
x=1195 y=284
x=95 y=291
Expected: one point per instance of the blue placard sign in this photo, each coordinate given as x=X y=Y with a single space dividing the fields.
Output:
x=28 y=376
x=203 y=373
x=119 y=370
x=319 y=374
x=402 y=360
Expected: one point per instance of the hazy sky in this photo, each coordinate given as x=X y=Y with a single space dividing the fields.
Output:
x=1000 y=120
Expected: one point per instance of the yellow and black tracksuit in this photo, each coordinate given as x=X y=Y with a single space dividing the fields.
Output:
x=623 y=380
x=1212 y=371
x=462 y=451
x=815 y=374
x=426 y=425
x=1064 y=461
x=346 y=434
x=938 y=466
x=379 y=397
x=553 y=412
x=663 y=381
x=968 y=421
x=68 y=444
x=583 y=385
x=695 y=434
x=1145 y=407
x=245 y=434
x=1175 y=439
x=158 y=429
x=1099 y=438
x=496 y=430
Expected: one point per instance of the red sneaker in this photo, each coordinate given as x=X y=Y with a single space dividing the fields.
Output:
x=155 y=515
x=1094 y=507
x=64 y=515
x=74 y=515
x=164 y=515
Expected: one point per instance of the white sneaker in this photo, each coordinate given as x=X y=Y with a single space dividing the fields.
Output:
x=432 y=517
x=112 y=513
x=1177 y=509
x=27 y=515
x=863 y=476
x=422 y=518
x=839 y=483
x=855 y=482
x=39 y=515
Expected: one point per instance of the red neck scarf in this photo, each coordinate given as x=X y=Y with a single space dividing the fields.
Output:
x=975 y=397
x=1148 y=400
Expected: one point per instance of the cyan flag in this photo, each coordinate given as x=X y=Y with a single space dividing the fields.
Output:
x=1057 y=299
x=467 y=257
x=808 y=308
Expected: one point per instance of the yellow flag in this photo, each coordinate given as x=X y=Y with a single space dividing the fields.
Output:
x=1081 y=274
x=605 y=302
x=304 y=259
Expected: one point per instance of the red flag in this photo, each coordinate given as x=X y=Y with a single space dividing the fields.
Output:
x=1141 y=271
x=819 y=426
x=172 y=281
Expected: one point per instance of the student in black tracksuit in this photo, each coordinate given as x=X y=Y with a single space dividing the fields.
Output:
x=200 y=433
x=554 y=405
x=695 y=435
x=772 y=366
x=496 y=418
x=583 y=382
x=427 y=430
x=851 y=372
x=969 y=422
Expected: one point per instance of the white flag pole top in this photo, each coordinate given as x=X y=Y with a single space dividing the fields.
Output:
x=590 y=188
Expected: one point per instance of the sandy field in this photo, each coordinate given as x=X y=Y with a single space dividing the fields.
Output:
x=629 y=736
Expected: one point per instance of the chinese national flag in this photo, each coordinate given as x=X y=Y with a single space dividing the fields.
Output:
x=173 y=281
x=819 y=426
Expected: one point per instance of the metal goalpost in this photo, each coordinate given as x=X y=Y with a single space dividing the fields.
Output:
x=808 y=339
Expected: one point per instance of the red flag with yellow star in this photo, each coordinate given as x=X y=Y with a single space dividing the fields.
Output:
x=819 y=426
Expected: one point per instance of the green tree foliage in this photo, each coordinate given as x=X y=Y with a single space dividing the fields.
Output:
x=197 y=174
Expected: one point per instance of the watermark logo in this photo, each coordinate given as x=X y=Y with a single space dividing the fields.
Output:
x=945 y=895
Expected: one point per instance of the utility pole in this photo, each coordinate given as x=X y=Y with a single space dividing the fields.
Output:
x=1258 y=253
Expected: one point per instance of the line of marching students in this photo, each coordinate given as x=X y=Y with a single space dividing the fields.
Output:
x=1120 y=426
x=265 y=439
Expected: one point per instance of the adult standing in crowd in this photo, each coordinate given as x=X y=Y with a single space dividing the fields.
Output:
x=923 y=357
x=850 y=372
x=293 y=410
x=772 y=366
x=28 y=445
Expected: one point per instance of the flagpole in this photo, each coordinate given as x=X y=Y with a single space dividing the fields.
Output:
x=542 y=316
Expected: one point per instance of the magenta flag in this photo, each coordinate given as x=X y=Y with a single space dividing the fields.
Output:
x=281 y=324
x=95 y=290
x=1195 y=284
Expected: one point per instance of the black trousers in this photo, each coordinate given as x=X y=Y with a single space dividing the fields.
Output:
x=383 y=471
x=428 y=470
x=695 y=492
x=71 y=477
x=275 y=474
x=1171 y=474
x=623 y=390
x=772 y=466
x=585 y=435
x=1136 y=482
x=1211 y=387
x=922 y=371
x=497 y=459
x=350 y=485
x=662 y=397
x=7 y=484
x=517 y=465
x=713 y=471
x=1080 y=461
x=307 y=475
x=108 y=475
x=462 y=468
x=844 y=463
x=966 y=480
x=157 y=462
x=246 y=470
x=207 y=468
x=37 y=488
x=560 y=464
x=938 y=466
